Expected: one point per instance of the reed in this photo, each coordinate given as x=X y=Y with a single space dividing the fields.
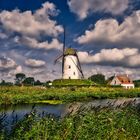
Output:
x=93 y=124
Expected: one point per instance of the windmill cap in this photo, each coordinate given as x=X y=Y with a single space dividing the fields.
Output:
x=70 y=51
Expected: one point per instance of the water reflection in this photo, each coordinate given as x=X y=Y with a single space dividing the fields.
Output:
x=17 y=112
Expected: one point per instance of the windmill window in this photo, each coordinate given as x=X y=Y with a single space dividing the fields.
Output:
x=69 y=66
x=73 y=73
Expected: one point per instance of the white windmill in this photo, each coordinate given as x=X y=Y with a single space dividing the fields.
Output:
x=71 y=68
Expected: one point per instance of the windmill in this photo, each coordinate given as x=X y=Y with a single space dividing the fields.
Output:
x=71 y=67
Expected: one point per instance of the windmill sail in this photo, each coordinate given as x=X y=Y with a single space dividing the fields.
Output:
x=78 y=66
x=63 y=55
x=55 y=61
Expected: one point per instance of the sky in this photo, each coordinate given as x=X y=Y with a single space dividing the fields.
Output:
x=105 y=33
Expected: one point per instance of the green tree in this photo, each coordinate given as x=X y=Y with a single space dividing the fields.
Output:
x=20 y=77
x=29 y=81
x=98 y=79
x=137 y=83
x=2 y=82
x=38 y=83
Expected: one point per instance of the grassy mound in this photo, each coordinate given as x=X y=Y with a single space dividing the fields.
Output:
x=72 y=82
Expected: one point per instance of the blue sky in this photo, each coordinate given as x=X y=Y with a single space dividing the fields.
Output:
x=105 y=33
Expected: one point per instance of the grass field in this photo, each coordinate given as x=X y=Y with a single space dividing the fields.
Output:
x=106 y=124
x=16 y=95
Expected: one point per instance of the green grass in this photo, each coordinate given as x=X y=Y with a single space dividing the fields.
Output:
x=16 y=95
x=117 y=124
x=53 y=102
x=72 y=82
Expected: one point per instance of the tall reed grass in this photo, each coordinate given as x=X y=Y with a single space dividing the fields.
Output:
x=105 y=124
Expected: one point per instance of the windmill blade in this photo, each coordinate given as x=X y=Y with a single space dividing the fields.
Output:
x=80 y=66
x=63 y=56
x=80 y=70
x=55 y=61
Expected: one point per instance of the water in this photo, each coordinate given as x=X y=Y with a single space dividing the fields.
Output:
x=60 y=110
x=23 y=109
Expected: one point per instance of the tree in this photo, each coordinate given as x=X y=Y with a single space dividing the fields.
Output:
x=2 y=82
x=20 y=77
x=98 y=78
x=29 y=81
x=38 y=83
x=137 y=83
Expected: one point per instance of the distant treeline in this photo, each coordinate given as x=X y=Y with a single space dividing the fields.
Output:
x=21 y=79
x=94 y=80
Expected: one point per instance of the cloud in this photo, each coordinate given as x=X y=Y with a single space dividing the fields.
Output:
x=83 y=8
x=3 y=36
x=128 y=57
x=38 y=72
x=11 y=74
x=18 y=69
x=33 y=43
x=8 y=68
x=33 y=63
x=32 y=24
x=134 y=60
x=7 y=64
x=33 y=30
x=109 y=32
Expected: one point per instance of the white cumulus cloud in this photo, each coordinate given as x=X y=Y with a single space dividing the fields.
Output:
x=83 y=8
x=33 y=63
x=31 y=29
x=109 y=31
x=32 y=24
x=127 y=57
x=8 y=68
x=33 y=43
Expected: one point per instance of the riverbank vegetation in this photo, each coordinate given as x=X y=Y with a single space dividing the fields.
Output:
x=16 y=95
x=94 y=124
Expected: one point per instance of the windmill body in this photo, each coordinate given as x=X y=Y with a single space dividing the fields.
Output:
x=70 y=67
